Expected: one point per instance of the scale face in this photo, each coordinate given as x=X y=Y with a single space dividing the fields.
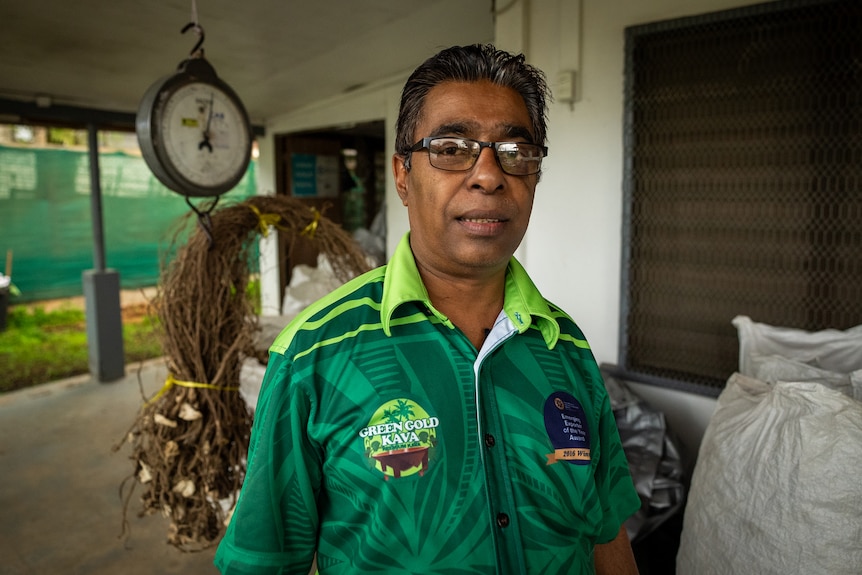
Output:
x=194 y=131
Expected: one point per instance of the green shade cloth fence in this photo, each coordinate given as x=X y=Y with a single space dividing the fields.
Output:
x=45 y=218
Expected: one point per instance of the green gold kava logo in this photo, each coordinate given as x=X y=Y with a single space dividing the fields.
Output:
x=400 y=438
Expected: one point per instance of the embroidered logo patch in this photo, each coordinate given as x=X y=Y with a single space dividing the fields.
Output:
x=400 y=439
x=567 y=429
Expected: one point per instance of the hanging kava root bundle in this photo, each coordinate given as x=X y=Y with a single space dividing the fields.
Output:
x=190 y=440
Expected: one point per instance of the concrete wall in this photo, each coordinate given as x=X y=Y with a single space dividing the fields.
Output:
x=573 y=248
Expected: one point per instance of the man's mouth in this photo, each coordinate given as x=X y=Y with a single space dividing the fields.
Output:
x=481 y=220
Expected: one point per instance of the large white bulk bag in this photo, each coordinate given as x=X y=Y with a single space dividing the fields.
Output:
x=773 y=353
x=777 y=488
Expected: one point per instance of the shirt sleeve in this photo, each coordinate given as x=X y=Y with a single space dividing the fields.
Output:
x=273 y=529
x=617 y=492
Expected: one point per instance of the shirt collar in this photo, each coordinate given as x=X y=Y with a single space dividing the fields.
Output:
x=523 y=303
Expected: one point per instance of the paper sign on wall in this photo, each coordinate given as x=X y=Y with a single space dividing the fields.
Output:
x=314 y=176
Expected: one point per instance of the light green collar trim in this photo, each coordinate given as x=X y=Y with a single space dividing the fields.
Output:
x=524 y=304
x=522 y=301
x=403 y=284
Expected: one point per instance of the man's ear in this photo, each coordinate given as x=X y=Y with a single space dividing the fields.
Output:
x=401 y=173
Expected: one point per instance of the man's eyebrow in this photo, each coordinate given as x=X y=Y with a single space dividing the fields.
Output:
x=509 y=131
x=456 y=128
x=519 y=132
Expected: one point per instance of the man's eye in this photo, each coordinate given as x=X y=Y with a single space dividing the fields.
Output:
x=451 y=149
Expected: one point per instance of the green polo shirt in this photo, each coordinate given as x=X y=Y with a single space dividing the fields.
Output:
x=384 y=441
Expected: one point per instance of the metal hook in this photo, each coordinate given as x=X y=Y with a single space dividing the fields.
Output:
x=204 y=220
x=200 y=31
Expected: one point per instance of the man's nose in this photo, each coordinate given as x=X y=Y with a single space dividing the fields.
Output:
x=488 y=159
x=487 y=174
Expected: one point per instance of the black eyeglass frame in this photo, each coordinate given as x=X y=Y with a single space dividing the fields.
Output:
x=425 y=143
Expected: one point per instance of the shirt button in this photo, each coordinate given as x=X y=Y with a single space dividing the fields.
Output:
x=502 y=520
x=489 y=440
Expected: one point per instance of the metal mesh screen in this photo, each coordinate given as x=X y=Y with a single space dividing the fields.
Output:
x=743 y=182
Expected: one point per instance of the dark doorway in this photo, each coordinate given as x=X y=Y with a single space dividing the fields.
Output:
x=339 y=171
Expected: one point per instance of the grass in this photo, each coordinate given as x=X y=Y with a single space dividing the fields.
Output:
x=38 y=346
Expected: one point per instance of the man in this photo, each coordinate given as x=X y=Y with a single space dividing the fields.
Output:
x=437 y=415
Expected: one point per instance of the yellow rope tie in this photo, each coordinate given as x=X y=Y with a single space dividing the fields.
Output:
x=265 y=220
x=311 y=228
x=172 y=381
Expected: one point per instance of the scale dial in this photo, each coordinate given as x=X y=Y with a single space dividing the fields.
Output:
x=194 y=132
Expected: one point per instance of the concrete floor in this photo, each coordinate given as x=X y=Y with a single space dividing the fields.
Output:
x=60 y=479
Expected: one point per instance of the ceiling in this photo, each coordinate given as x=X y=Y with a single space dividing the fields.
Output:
x=278 y=55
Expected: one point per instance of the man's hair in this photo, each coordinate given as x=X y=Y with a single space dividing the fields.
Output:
x=472 y=64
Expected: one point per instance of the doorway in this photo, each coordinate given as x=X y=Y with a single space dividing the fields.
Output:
x=339 y=171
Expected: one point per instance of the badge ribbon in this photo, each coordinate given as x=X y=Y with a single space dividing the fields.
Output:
x=570 y=454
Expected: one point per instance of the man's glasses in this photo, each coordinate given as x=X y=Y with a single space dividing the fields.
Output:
x=460 y=154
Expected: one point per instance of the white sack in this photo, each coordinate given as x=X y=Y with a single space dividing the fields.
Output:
x=831 y=357
x=307 y=285
x=252 y=371
x=776 y=488
x=250 y=379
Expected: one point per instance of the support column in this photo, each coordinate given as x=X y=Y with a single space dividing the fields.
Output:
x=104 y=324
x=102 y=289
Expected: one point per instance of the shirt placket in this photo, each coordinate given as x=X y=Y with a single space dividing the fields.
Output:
x=498 y=485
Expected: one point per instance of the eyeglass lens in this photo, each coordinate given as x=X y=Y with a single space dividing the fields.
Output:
x=456 y=154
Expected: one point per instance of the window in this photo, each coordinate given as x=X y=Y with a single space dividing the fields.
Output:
x=743 y=183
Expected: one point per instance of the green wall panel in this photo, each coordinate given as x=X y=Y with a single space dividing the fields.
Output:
x=45 y=218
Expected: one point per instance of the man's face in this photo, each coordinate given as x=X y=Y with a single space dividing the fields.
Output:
x=467 y=224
